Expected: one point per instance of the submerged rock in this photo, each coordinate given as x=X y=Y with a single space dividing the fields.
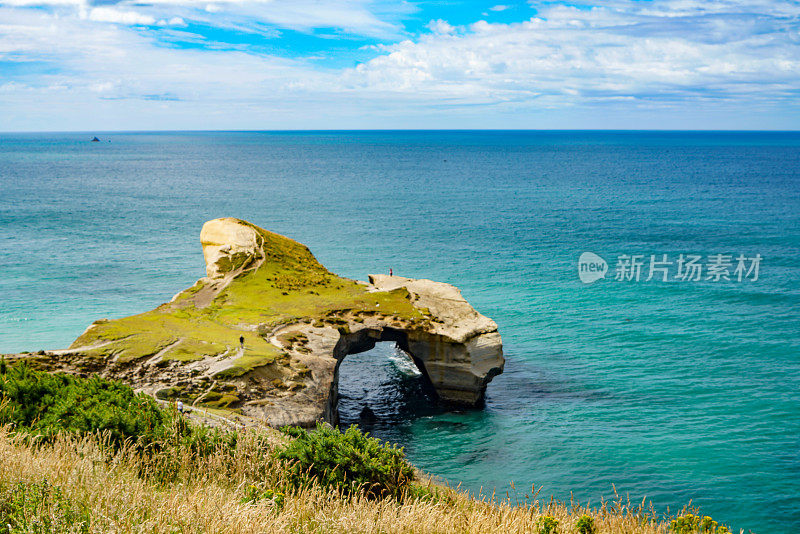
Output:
x=263 y=333
x=367 y=415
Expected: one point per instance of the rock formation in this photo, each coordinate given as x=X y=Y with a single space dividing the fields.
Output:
x=298 y=321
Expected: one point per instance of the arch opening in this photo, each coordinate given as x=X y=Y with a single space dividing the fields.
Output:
x=381 y=387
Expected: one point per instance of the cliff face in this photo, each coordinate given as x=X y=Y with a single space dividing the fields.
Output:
x=297 y=321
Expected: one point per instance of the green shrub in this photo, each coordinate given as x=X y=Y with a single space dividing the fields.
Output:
x=694 y=524
x=585 y=525
x=350 y=460
x=45 y=404
x=39 y=508
x=547 y=524
x=49 y=403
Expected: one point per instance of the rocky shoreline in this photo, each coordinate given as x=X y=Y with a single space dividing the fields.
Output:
x=262 y=335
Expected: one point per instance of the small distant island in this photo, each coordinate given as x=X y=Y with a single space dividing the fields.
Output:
x=262 y=335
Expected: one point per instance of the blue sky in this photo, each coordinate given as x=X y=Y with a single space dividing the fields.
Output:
x=305 y=64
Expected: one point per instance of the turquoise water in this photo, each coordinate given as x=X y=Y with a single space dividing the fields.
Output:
x=668 y=390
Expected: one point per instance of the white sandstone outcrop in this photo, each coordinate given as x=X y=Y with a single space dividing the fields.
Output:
x=227 y=243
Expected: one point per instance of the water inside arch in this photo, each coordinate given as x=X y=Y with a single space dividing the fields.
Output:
x=382 y=391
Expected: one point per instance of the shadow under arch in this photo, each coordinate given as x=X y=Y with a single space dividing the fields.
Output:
x=366 y=340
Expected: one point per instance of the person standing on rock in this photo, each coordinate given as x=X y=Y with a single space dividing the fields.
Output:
x=241 y=341
x=390 y=272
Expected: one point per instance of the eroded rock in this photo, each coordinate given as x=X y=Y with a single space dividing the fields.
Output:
x=228 y=245
x=298 y=322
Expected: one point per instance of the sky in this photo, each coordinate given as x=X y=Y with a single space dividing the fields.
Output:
x=84 y=65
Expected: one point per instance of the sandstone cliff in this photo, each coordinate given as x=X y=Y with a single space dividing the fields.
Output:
x=298 y=321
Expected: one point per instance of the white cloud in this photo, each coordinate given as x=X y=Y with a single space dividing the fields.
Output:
x=672 y=56
x=499 y=7
x=104 y=87
x=351 y=16
x=110 y=14
x=27 y=3
x=174 y=21
x=566 y=55
x=440 y=26
x=133 y=64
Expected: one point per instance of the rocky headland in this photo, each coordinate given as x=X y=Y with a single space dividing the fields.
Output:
x=262 y=335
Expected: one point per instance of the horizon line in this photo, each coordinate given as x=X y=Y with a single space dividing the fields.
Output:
x=353 y=130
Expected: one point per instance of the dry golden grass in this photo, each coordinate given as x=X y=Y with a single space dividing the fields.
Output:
x=206 y=495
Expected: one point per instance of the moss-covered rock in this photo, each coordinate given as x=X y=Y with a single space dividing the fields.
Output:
x=270 y=322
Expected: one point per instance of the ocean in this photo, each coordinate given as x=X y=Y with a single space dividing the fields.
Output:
x=674 y=391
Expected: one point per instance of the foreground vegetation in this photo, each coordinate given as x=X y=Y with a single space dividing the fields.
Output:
x=71 y=464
